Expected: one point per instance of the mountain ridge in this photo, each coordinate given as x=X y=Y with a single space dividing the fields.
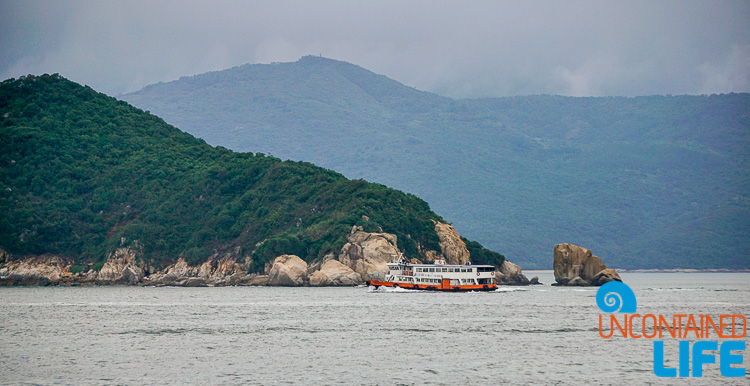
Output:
x=100 y=183
x=520 y=174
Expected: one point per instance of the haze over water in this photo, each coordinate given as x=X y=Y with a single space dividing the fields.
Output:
x=272 y=335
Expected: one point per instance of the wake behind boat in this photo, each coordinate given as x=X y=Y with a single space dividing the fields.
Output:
x=438 y=276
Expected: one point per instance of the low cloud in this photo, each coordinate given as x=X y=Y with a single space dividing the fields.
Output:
x=482 y=48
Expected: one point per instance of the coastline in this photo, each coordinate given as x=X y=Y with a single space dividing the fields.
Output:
x=674 y=270
x=686 y=270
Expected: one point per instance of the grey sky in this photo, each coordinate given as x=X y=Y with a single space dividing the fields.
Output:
x=453 y=48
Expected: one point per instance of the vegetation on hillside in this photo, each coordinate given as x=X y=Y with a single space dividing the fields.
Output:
x=646 y=182
x=82 y=173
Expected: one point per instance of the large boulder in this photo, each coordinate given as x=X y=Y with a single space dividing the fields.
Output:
x=452 y=247
x=121 y=268
x=254 y=280
x=333 y=272
x=578 y=281
x=605 y=276
x=288 y=270
x=574 y=265
x=368 y=253
x=510 y=274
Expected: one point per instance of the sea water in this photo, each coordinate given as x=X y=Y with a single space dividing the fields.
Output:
x=272 y=335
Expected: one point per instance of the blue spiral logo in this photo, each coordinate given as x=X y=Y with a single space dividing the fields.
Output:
x=616 y=296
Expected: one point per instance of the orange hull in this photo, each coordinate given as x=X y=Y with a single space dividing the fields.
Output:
x=436 y=287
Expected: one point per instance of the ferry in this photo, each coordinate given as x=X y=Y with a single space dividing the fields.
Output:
x=438 y=276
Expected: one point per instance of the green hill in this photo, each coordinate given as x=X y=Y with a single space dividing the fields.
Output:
x=82 y=173
x=646 y=182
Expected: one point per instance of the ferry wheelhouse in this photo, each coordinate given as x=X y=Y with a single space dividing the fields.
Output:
x=438 y=276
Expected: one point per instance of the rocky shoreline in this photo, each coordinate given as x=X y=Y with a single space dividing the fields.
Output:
x=577 y=266
x=687 y=270
x=361 y=259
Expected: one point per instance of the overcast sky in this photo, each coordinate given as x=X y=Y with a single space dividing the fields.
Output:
x=453 y=48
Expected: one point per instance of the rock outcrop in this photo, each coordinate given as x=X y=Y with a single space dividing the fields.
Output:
x=368 y=253
x=333 y=272
x=452 y=247
x=288 y=270
x=574 y=265
x=511 y=274
x=605 y=276
x=41 y=270
x=221 y=269
x=121 y=268
x=126 y=267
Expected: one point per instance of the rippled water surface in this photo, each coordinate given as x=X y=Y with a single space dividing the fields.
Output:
x=241 y=335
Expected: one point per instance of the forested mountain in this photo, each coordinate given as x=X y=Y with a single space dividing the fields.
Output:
x=82 y=173
x=645 y=182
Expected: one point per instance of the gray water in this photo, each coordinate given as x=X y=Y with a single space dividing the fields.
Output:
x=271 y=335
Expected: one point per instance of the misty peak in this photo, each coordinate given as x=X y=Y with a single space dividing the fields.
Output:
x=317 y=59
